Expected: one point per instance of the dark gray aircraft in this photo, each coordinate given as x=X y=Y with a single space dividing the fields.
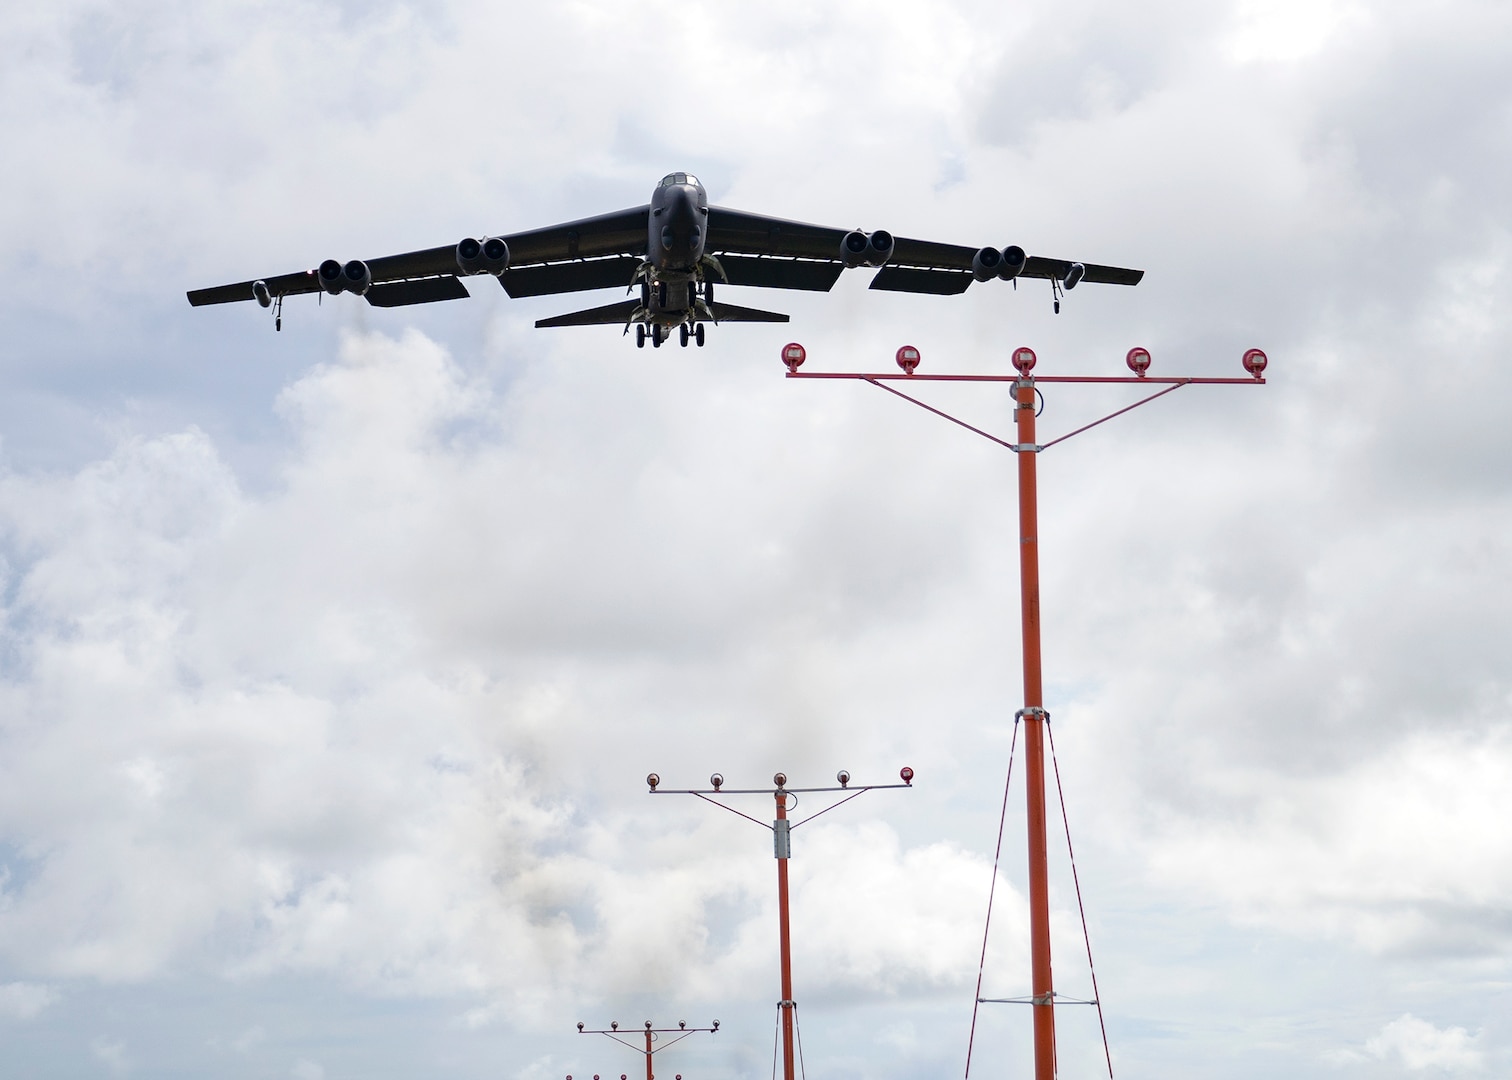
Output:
x=675 y=249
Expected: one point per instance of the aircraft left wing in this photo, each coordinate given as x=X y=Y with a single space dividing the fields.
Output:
x=591 y=253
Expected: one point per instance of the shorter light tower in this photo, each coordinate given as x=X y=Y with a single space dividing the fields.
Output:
x=652 y=1033
x=782 y=848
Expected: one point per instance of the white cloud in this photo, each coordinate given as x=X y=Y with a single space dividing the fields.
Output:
x=25 y=1001
x=112 y=1054
x=1417 y=1045
x=1380 y=852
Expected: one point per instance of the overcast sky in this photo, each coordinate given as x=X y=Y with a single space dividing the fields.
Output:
x=332 y=661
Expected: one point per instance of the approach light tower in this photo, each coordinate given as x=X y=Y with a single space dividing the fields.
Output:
x=782 y=847
x=1036 y=720
x=652 y=1035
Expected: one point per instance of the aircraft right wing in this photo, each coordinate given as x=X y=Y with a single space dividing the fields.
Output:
x=774 y=253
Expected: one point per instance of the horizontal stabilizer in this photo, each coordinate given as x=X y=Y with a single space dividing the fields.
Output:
x=418 y=291
x=724 y=313
x=609 y=315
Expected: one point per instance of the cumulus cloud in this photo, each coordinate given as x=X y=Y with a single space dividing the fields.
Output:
x=112 y=1054
x=25 y=1001
x=303 y=774
x=305 y=1069
x=1417 y=1045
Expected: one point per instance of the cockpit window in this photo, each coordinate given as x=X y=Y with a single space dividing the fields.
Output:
x=678 y=178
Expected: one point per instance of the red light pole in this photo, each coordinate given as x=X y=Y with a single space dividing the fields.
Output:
x=1033 y=714
x=782 y=849
x=1041 y=982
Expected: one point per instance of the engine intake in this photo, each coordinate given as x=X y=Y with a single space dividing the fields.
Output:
x=1013 y=262
x=355 y=277
x=854 y=248
x=986 y=264
x=495 y=255
x=330 y=277
x=470 y=256
x=879 y=247
x=1073 y=276
x=261 y=294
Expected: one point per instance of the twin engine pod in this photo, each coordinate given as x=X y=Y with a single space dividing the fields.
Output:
x=487 y=256
x=866 y=249
x=335 y=278
x=990 y=263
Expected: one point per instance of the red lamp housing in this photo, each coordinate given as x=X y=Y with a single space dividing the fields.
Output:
x=1023 y=359
x=1254 y=362
x=908 y=359
x=793 y=355
x=906 y=774
x=1138 y=360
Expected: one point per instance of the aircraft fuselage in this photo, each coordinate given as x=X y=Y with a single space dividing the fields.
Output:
x=678 y=224
x=676 y=231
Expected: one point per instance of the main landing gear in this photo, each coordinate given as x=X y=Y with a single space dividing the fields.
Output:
x=658 y=334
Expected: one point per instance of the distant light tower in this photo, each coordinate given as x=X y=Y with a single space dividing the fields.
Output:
x=1033 y=714
x=682 y=1031
x=782 y=848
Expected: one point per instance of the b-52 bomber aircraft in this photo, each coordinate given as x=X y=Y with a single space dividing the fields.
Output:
x=675 y=248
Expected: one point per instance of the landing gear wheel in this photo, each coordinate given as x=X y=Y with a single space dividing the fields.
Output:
x=645 y=294
x=709 y=292
x=640 y=336
x=656 y=337
x=661 y=295
x=698 y=334
x=682 y=332
x=692 y=293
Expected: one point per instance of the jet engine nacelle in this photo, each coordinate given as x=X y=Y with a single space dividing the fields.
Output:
x=356 y=277
x=261 y=294
x=495 y=255
x=1073 y=276
x=986 y=264
x=330 y=277
x=487 y=256
x=335 y=278
x=859 y=248
x=854 y=247
x=1012 y=263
